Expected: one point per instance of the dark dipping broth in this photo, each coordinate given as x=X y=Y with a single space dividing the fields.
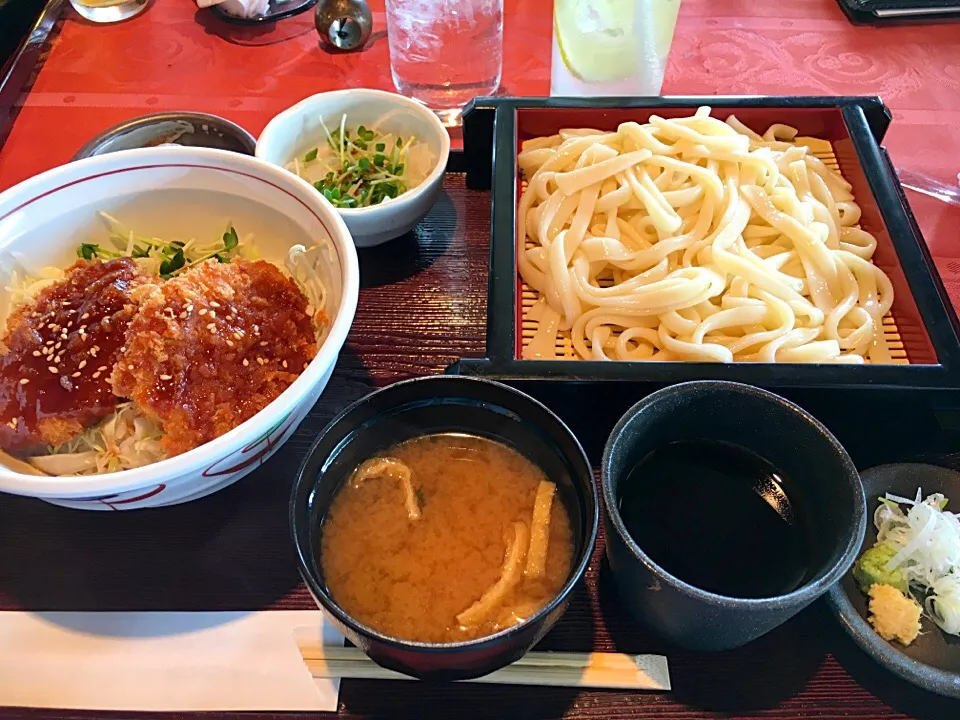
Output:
x=473 y=552
x=718 y=517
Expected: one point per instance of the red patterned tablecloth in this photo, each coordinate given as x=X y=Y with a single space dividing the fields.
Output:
x=177 y=57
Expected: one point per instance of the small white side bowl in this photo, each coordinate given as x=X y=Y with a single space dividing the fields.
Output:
x=180 y=192
x=297 y=130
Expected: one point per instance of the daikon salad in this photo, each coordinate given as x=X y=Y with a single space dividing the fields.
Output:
x=356 y=168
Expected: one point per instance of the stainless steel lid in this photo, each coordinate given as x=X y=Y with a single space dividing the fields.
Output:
x=181 y=128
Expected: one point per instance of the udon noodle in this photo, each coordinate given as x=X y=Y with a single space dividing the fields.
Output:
x=696 y=239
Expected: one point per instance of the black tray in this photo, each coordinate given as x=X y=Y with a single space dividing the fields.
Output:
x=914 y=12
x=18 y=70
x=492 y=128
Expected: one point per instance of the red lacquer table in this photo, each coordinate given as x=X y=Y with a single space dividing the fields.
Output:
x=423 y=305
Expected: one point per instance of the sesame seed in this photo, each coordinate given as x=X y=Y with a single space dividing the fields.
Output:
x=56 y=360
x=82 y=328
x=190 y=308
x=263 y=343
x=52 y=326
x=212 y=327
x=245 y=362
x=49 y=342
x=229 y=343
x=82 y=365
x=58 y=345
x=231 y=318
x=260 y=361
x=75 y=375
x=130 y=366
x=238 y=335
x=101 y=368
x=24 y=381
x=70 y=324
x=166 y=377
x=85 y=316
x=284 y=364
x=65 y=303
x=305 y=366
x=96 y=375
x=213 y=313
x=214 y=303
x=203 y=311
x=123 y=348
x=53 y=369
x=37 y=353
x=182 y=315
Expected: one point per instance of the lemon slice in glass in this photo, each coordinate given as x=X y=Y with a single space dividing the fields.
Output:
x=596 y=38
x=608 y=40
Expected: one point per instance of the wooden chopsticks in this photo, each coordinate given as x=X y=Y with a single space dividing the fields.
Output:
x=566 y=669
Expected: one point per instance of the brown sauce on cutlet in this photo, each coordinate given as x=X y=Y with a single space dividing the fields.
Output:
x=60 y=351
x=212 y=347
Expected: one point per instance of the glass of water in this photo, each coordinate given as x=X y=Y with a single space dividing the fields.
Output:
x=444 y=53
x=109 y=11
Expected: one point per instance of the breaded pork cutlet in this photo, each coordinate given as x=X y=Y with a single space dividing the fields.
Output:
x=212 y=347
x=58 y=352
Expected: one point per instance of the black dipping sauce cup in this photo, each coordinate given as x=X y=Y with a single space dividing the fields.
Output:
x=824 y=482
x=425 y=406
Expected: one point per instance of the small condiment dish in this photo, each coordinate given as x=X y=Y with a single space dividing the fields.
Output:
x=424 y=406
x=190 y=129
x=932 y=661
x=824 y=485
x=297 y=130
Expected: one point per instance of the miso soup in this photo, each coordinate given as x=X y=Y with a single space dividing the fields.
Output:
x=446 y=538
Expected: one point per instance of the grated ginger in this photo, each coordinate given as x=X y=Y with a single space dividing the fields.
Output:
x=894 y=615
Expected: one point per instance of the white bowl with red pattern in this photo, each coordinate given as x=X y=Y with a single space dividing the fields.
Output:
x=179 y=192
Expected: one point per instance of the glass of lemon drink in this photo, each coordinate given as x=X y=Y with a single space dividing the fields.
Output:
x=615 y=48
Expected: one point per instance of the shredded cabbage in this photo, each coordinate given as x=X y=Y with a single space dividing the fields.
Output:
x=25 y=283
x=166 y=258
x=926 y=540
x=303 y=266
x=125 y=440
